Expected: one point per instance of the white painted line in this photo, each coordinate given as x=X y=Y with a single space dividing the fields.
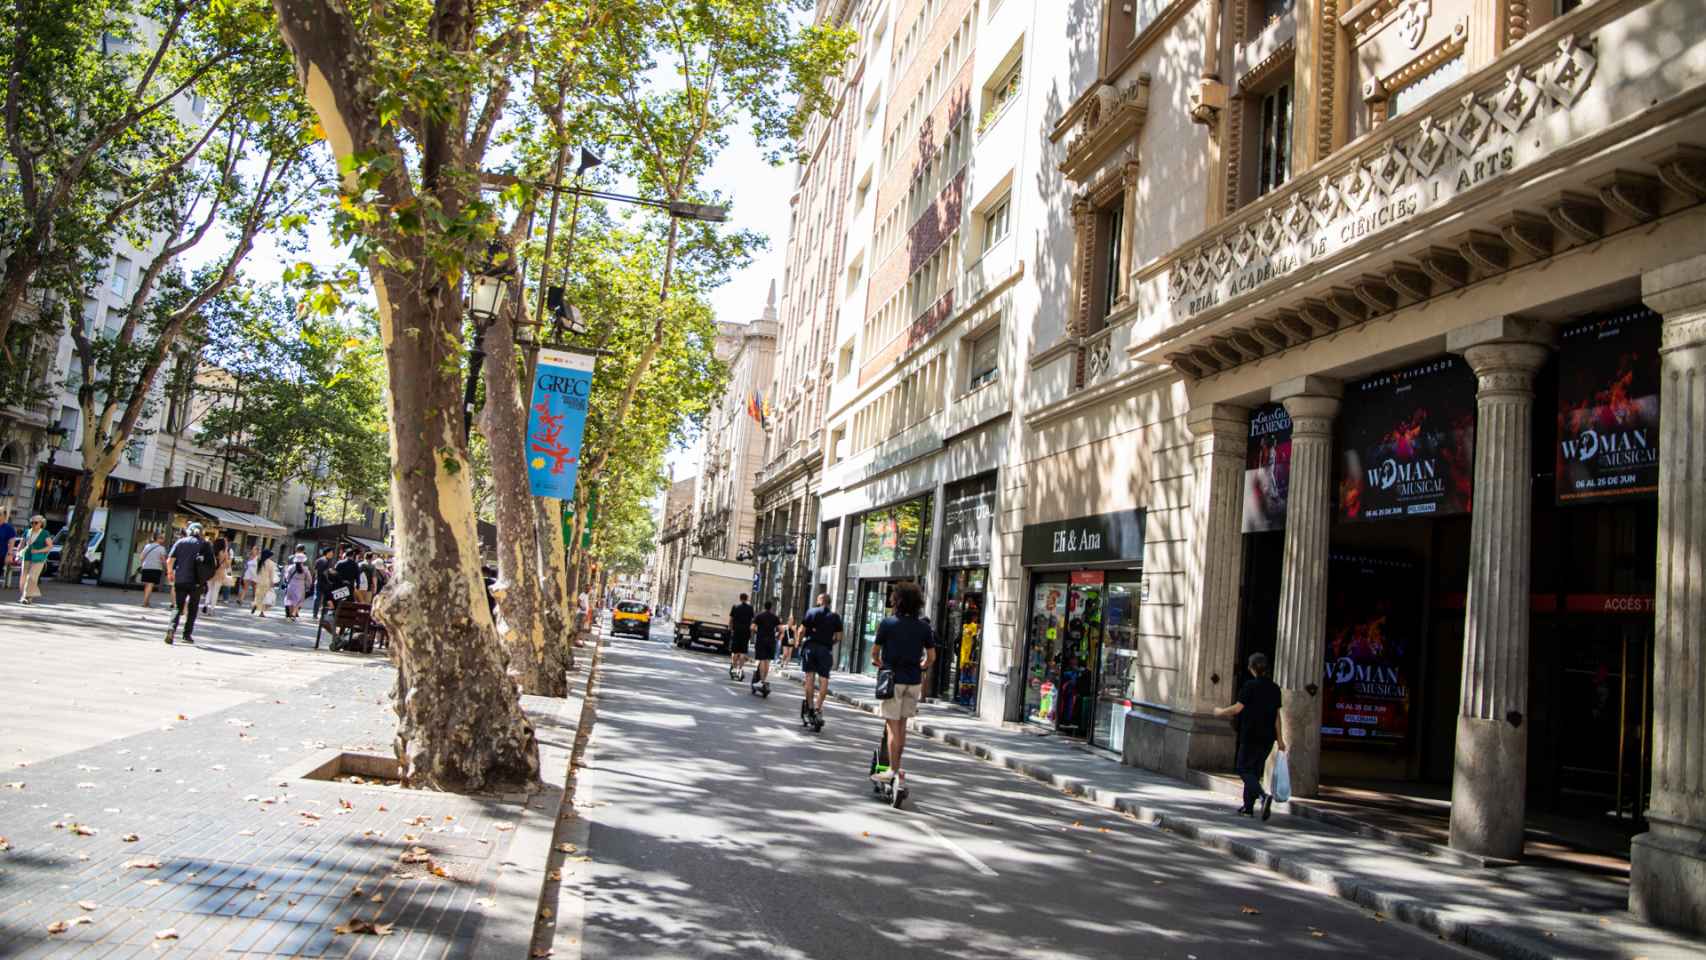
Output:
x=957 y=850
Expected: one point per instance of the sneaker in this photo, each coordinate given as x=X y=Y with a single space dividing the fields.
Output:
x=1246 y=812
x=188 y=638
x=169 y=635
x=1267 y=805
x=883 y=776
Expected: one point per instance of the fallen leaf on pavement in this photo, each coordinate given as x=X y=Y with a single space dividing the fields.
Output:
x=1158 y=882
x=82 y=920
x=570 y=848
x=245 y=833
x=556 y=874
x=82 y=856
x=1247 y=909
x=541 y=952
x=83 y=831
x=182 y=717
x=505 y=828
x=143 y=863
x=130 y=838
x=88 y=905
x=383 y=808
x=15 y=785
x=376 y=898
x=485 y=902
x=1317 y=933
x=358 y=892
x=58 y=926
x=152 y=883
x=5 y=845
x=416 y=855
x=170 y=933
x=307 y=815
x=364 y=925
x=437 y=870
x=545 y=913
x=345 y=804
x=580 y=860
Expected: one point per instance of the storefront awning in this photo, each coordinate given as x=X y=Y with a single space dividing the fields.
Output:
x=376 y=546
x=238 y=520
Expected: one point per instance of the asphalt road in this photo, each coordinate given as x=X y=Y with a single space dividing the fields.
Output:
x=717 y=827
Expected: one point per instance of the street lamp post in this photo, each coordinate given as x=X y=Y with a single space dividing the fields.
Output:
x=487 y=292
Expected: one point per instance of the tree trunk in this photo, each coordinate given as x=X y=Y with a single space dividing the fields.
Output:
x=520 y=589
x=460 y=722
x=553 y=562
x=74 y=539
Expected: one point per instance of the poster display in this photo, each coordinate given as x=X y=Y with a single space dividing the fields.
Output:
x=1267 y=468
x=1608 y=407
x=1407 y=442
x=1373 y=616
x=556 y=420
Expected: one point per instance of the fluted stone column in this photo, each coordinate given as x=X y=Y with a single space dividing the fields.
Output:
x=1668 y=863
x=1490 y=782
x=1300 y=650
x=1215 y=566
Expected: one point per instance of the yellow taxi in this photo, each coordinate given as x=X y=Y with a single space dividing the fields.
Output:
x=631 y=616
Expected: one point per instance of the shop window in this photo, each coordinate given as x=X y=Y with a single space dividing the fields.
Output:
x=1273 y=138
x=984 y=355
x=996 y=223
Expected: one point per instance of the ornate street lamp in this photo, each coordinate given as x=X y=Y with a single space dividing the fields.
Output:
x=488 y=291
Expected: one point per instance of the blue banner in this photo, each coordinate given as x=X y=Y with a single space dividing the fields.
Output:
x=556 y=422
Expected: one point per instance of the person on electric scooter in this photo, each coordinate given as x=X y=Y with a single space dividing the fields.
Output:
x=906 y=645
x=765 y=626
x=740 y=624
x=822 y=628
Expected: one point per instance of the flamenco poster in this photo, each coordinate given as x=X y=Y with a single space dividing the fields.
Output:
x=1608 y=407
x=1372 y=618
x=1408 y=442
x=1267 y=468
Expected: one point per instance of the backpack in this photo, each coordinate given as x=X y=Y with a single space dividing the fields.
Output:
x=204 y=563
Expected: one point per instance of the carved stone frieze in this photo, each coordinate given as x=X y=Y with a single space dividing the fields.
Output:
x=1112 y=118
x=1444 y=152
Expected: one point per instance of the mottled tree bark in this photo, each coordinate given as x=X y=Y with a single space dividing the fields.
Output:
x=460 y=721
x=521 y=587
x=553 y=565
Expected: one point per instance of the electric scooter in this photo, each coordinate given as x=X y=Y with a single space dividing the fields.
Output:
x=889 y=791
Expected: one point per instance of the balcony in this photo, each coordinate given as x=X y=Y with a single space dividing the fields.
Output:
x=1511 y=165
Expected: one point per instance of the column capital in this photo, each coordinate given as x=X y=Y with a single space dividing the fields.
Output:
x=1222 y=421
x=1500 y=329
x=1678 y=292
x=1310 y=386
x=1311 y=414
x=1506 y=368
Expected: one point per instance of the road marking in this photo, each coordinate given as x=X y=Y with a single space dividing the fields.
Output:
x=957 y=850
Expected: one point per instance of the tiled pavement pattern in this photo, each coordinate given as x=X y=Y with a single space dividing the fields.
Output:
x=1522 y=911
x=250 y=863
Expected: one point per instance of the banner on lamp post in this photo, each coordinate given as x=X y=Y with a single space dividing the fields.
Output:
x=556 y=421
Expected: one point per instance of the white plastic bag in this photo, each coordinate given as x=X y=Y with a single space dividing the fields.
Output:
x=1282 y=778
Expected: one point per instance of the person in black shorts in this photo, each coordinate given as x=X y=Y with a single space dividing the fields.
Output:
x=822 y=632
x=740 y=622
x=765 y=626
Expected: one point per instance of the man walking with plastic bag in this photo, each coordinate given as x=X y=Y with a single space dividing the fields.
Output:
x=1256 y=715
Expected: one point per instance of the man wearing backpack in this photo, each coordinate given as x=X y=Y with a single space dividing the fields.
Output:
x=189 y=568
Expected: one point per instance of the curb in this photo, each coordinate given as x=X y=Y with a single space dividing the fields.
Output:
x=521 y=884
x=1398 y=906
x=563 y=937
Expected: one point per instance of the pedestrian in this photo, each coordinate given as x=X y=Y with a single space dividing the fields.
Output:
x=740 y=627
x=297 y=578
x=906 y=646
x=1256 y=714
x=8 y=533
x=221 y=571
x=151 y=564
x=33 y=552
x=190 y=569
x=251 y=569
x=266 y=574
x=821 y=631
x=765 y=626
x=323 y=581
x=368 y=581
x=347 y=573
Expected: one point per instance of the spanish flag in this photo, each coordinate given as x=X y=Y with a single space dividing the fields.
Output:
x=753 y=408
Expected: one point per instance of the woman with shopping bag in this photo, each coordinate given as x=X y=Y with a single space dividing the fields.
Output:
x=1256 y=715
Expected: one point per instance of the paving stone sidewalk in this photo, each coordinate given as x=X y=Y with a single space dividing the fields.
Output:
x=251 y=860
x=1517 y=912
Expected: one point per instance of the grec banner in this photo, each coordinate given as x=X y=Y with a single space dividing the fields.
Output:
x=1407 y=442
x=1608 y=407
x=1267 y=468
x=1373 y=613
x=556 y=421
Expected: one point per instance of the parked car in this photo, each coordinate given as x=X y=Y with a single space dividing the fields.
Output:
x=91 y=557
x=631 y=616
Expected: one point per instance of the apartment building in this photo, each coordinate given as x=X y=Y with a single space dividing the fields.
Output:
x=674 y=522
x=824 y=280
x=723 y=514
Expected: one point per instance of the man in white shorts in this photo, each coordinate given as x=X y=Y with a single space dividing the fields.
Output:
x=906 y=645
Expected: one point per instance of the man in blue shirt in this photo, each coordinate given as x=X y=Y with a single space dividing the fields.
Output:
x=823 y=631
x=906 y=645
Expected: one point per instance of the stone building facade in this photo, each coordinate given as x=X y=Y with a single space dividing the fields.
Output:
x=672 y=549
x=723 y=514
